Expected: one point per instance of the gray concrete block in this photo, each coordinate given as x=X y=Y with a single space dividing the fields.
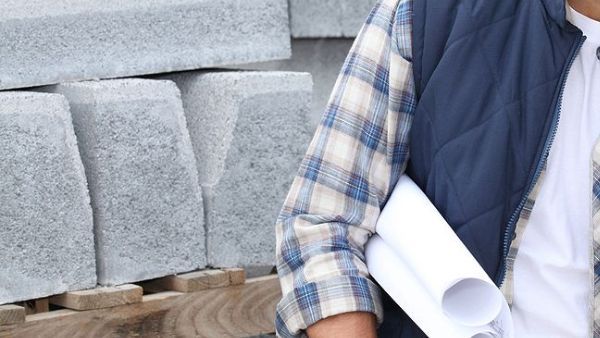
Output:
x=328 y=18
x=322 y=58
x=147 y=203
x=249 y=131
x=54 y=41
x=46 y=236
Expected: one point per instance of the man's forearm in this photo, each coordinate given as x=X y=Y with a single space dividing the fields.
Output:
x=346 y=325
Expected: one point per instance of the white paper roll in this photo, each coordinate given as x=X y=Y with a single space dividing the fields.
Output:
x=417 y=232
x=407 y=290
x=485 y=335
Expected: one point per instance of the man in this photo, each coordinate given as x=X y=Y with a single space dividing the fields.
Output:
x=464 y=96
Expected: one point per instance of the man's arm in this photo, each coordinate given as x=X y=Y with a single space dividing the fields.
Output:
x=357 y=154
x=345 y=325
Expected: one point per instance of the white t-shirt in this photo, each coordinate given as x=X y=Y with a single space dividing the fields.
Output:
x=551 y=271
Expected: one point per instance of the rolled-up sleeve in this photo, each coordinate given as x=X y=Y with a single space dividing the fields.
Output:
x=358 y=152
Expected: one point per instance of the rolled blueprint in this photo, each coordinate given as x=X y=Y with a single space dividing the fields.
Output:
x=399 y=281
x=435 y=259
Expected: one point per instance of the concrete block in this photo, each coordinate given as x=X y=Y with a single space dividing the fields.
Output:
x=46 y=236
x=142 y=175
x=328 y=18
x=249 y=130
x=322 y=58
x=55 y=41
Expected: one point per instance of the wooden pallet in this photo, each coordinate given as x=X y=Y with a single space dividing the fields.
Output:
x=209 y=303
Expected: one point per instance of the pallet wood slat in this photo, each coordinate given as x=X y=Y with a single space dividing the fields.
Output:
x=191 y=282
x=36 y=306
x=42 y=305
x=161 y=296
x=50 y=315
x=236 y=275
x=234 y=311
x=11 y=314
x=98 y=298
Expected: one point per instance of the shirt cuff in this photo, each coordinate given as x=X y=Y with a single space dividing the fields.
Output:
x=308 y=303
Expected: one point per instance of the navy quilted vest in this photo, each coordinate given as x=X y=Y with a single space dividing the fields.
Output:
x=488 y=76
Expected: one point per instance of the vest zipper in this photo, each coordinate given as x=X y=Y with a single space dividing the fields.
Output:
x=549 y=139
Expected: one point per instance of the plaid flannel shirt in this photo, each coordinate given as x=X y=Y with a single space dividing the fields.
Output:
x=358 y=152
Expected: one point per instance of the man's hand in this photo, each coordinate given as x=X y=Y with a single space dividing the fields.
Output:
x=345 y=325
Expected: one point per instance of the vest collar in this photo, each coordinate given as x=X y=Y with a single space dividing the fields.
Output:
x=557 y=11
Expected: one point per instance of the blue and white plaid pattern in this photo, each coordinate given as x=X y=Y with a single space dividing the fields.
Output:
x=355 y=158
x=595 y=242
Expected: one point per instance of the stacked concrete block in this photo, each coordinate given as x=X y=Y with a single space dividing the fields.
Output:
x=328 y=18
x=323 y=32
x=249 y=131
x=147 y=204
x=53 y=41
x=46 y=236
x=322 y=58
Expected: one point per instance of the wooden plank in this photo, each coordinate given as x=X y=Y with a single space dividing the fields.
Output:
x=189 y=282
x=235 y=311
x=50 y=315
x=161 y=296
x=42 y=305
x=11 y=314
x=35 y=306
x=99 y=298
x=236 y=275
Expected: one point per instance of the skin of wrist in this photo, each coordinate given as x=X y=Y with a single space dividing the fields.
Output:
x=346 y=325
